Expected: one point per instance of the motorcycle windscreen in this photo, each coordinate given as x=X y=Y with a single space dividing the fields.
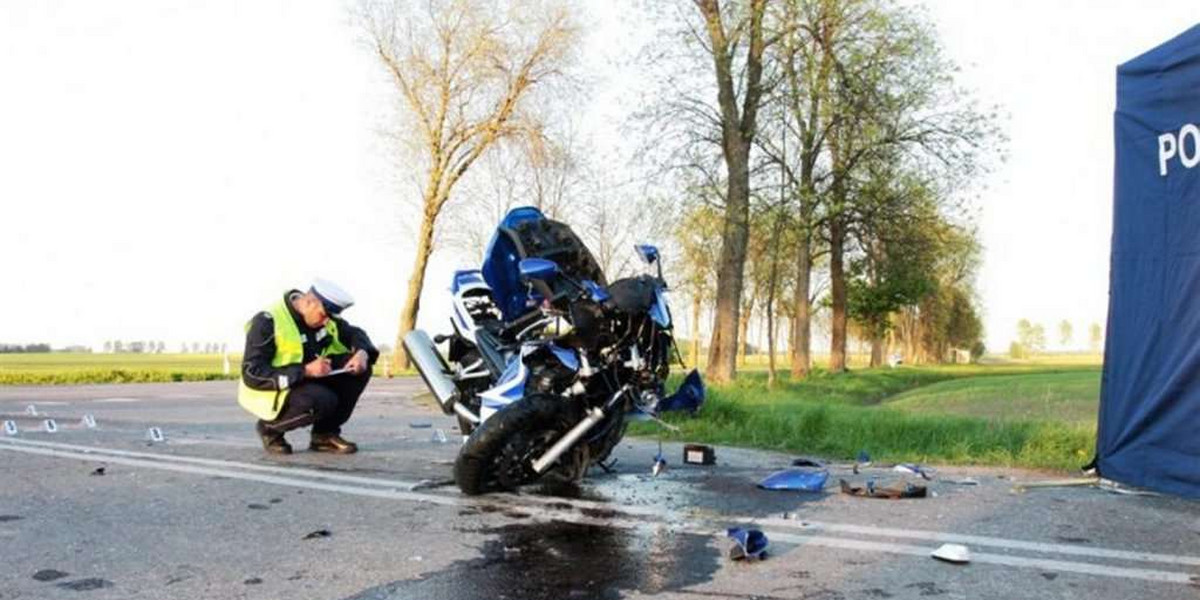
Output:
x=500 y=262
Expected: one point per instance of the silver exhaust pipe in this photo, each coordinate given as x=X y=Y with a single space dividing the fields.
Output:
x=594 y=416
x=433 y=369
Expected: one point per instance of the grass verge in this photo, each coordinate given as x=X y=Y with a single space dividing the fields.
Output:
x=836 y=416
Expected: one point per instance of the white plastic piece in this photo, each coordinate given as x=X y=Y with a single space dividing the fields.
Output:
x=10 y=427
x=439 y=436
x=953 y=553
x=89 y=421
x=31 y=410
x=50 y=426
x=155 y=434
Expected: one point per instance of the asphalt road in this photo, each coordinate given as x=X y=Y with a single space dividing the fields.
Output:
x=106 y=512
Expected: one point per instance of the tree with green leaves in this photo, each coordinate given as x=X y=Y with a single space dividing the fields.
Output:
x=699 y=226
x=1065 y=333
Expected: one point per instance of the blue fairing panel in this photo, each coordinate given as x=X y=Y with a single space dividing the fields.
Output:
x=500 y=262
x=464 y=278
x=1150 y=389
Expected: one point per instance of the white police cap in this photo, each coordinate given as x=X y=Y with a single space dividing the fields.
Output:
x=334 y=298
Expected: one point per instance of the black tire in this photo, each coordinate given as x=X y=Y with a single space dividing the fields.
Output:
x=486 y=461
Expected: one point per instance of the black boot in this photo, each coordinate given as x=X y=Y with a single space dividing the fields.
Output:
x=272 y=441
x=331 y=442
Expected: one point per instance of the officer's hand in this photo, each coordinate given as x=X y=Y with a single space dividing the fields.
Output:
x=358 y=363
x=319 y=367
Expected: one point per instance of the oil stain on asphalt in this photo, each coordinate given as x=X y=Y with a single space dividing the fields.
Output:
x=557 y=560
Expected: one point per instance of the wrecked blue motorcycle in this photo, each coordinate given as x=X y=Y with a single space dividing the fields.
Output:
x=546 y=361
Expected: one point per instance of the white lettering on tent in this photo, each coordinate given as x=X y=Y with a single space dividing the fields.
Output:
x=1166 y=151
x=1192 y=131
x=1172 y=145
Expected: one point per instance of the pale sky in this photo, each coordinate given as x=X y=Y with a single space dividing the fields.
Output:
x=167 y=167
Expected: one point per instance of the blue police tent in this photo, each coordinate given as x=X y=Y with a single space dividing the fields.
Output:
x=1149 y=429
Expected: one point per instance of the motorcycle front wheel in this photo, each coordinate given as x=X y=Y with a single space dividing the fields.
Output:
x=500 y=452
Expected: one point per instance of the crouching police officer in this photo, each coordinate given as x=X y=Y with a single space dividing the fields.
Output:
x=304 y=365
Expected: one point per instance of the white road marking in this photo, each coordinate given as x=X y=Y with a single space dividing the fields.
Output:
x=236 y=470
x=116 y=400
x=97 y=453
x=392 y=494
x=181 y=441
x=989 y=558
x=980 y=540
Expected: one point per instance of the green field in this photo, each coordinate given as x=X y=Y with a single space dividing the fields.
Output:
x=1071 y=397
x=67 y=368
x=977 y=414
x=1030 y=413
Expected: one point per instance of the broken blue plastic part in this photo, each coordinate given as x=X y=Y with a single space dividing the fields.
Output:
x=752 y=542
x=863 y=457
x=689 y=396
x=796 y=480
x=915 y=469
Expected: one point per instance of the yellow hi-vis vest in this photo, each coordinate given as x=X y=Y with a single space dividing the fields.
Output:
x=289 y=350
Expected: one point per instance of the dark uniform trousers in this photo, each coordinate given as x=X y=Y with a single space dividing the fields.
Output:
x=324 y=403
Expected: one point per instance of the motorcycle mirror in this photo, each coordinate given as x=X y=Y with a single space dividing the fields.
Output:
x=537 y=268
x=648 y=253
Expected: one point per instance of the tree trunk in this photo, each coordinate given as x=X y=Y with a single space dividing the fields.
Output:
x=837 y=286
x=416 y=282
x=722 y=352
x=696 y=305
x=802 y=320
x=743 y=331
x=738 y=126
x=876 y=351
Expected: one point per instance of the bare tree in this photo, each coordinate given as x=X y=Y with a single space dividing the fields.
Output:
x=741 y=37
x=465 y=71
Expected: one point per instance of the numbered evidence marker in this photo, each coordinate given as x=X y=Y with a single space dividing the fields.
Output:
x=10 y=427
x=50 y=425
x=89 y=421
x=31 y=410
x=155 y=435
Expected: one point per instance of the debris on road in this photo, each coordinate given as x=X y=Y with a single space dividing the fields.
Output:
x=10 y=427
x=796 y=480
x=1053 y=483
x=862 y=461
x=805 y=461
x=88 y=421
x=50 y=426
x=660 y=465
x=891 y=491
x=1109 y=485
x=963 y=481
x=31 y=410
x=98 y=471
x=952 y=553
x=155 y=434
x=915 y=469
x=420 y=425
x=320 y=533
x=49 y=575
x=749 y=544
x=439 y=436
x=699 y=454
